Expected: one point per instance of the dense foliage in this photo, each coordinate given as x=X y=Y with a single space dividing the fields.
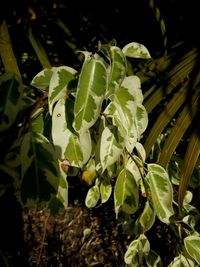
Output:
x=118 y=119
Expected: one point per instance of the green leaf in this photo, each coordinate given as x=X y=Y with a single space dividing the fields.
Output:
x=58 y=84
x=91 y=90
x=39 y=169
x=126 y=193
x=111 y=146
x=92 y=197
x=62 y=193
x=75 y=148
x=182 y=261
x=137 y=251
x=192 y=245
x=146 y=219
x=118 y=70
x=105 y=191
x=161 y=192
x=141 y=120
x=11 y=91
x=136 y=50
x=153 y=259
x=42 y=79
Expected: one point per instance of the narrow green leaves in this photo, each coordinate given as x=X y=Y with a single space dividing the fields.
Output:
x=91 y=90
x=161 y=192
x=126 y=194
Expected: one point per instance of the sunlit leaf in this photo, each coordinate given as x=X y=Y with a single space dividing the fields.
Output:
x=192 y=245
x=111 y=146
x=136 y=50
x=91 y=90
x=105 y=191
x=92 y=197
x=161 y=192
x=118 y=70
x=126 y=193
x=182 y=261
x=42 y=79
x=137 y=251
x=58 y=84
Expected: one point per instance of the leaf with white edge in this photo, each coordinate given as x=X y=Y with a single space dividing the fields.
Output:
x=58 y=84
x=92 y=85
x=141 y=151
x=133 y=83
x=39 y=169
x=137 y=251
x=62 y=193
x=86 y=145
x=93 y=196
x=133 y=168
x=136 y=50
x=60 y=133
x=105 y=191
x=182 y=261
x=141 y=120
x=112 y=112
x=192 y=245
x=153 y=259
x=73 y=151
x=146 y=219
x=118 y=70
x=42 y=79
x=111 y=146
x=126 y=193
x=161 y=192
x=125 y=104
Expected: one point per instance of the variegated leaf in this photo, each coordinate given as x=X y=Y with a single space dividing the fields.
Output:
x=126 y=193
x=118 y=70
x=182 y=261
x=136 y=50
x=133 y=83
x=192 y=245
x=133 y=168
x=75 y=148
x=62 y=193
x=39 y=169
x=125 y=104
x=146 y=219
x=91 y=90
x=153 y=259
x=105 y=191
x=42 y=79
x=137 y=251
x=141 y=120
x=58 y=84
x=92 y=197
x=161 y=192
x=111 y=146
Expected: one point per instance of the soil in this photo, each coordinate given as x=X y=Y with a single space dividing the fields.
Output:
x=34 y=237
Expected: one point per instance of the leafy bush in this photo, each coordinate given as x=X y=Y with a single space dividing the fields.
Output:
x=91 y=123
